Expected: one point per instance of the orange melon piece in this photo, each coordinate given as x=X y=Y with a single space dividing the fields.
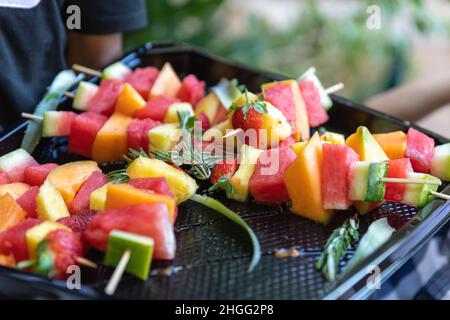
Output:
x=303 y=182
x=167 y=84
x=123 y=195
x=15 y=190
x=393 y=143
x=7 y=261
x=286 y=96
x=111 y=142
x=69 y=177
x=129 y=101
x=10 y=212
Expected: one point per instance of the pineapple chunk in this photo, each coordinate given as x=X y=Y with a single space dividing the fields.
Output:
x=209 y=105
x=164 y=137
x=218 y=131
x=172 y=113
x=181 y=185
x=333 y=138
x=298 y=147
x=97 y=199
x=50 y=204
x=36 y=234
x=240 y=180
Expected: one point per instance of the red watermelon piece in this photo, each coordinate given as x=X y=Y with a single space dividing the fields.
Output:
x=104 y=101
x=13 y=240
x=289 y=141
x=317 y=115
x=157 y=185
x=79 y=222
x=137 y=133
x=83 y=132
x=281 y=97
x=3 y=178
x=398 y=168
x=14 y=164
x=151 y=220
x=142 y=80
x=192 y=90
x=28 y=202
x=337 y=160
x=81 y=201
x=266 y=183
x=419 y=149
x=155 y=108
x=36 y=175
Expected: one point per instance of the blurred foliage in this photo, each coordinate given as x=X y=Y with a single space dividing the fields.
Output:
x=342 y=49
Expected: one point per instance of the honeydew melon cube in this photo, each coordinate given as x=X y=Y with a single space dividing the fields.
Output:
x=140 y=247
x=419 y=194
x=85 y=92
x=440 y=163
x=117 y=70
x=358 y=178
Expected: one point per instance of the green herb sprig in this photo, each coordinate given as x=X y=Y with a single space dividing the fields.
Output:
x=336 y=247
x=223 y=184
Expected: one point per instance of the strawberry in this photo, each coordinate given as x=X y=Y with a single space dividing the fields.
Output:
x=79 y=222
x=253 y=120
x=204 y=120
x=224 y=169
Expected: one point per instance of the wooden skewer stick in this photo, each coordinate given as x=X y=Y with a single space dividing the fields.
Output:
x=440 y=195
x=86 y=70
x=232 y=133
x=32 y=116
x=335 y=88
x=69 y=95
x=412 y=181
x=117 y=275
x=86 y=263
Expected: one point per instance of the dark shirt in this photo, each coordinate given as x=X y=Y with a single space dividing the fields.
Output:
x=33 y=44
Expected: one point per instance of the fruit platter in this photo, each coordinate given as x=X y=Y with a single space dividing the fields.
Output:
x=175 y=174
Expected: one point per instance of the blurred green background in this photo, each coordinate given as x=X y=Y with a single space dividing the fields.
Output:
x=331 y=35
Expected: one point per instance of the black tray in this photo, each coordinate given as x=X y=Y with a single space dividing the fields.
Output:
x=212 y=251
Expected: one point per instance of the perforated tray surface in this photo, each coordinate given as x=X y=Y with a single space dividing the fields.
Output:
x=213 y=253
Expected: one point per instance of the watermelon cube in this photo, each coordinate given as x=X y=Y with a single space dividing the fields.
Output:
x=81 y=201
x=36 y=175
x=28 y=202
x=192 y=90
x=105 y=99
x=157 y=185
x=266 y=183
x=399 y=168
x=15 y=163
x=419 y=149
x=150 y=220
x=156 y=108
x=317 y=115
x=3 y=178
x=84 y=131
x=337 y=161
x=13 y=241
x=57 y=123
x=137 y=133
x=142 y=80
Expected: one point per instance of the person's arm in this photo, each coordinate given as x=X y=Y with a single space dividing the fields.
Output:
x=414 y=100
x=93 y=51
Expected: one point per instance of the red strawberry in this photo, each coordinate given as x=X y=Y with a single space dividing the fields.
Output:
x=254 y=119
x=65 y=247
x=79 y=222
x=224 y=169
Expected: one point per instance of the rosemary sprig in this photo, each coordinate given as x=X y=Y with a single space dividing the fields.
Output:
x=118 y=176
x=336 y=247
x=259 y=105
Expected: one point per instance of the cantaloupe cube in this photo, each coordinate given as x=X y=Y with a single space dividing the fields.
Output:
x=129 y=101
x=167 y=84
x=10 y=212
x=15 y=190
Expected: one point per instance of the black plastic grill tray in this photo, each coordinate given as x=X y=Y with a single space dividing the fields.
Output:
x=212 y=252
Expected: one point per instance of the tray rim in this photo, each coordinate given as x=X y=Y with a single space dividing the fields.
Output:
x=393 y=252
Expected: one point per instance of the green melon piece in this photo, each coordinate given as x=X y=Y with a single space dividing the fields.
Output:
x=359 y=177
x=419 y=194
x=376 y=188
x=85 y=92
x=117 y=70
x=141 y=249
x=440 y=163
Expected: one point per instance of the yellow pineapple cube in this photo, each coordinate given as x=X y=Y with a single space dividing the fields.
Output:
x=241 y=178
x=50 y=204
x=181 y=185
x=36 y=234
x=172 y=112
x=164 y=137
x=98 y=198
x=209 y=105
